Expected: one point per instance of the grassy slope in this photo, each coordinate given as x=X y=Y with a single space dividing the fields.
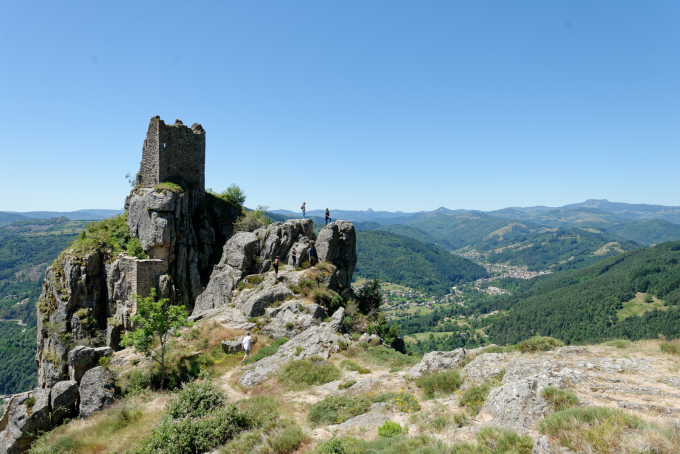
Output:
x=406 y=261
x=647 y=232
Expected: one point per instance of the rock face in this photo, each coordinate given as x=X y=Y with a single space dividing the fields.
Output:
x=63 y=401
x=438 y=361
x=23 y=420
x=314 y=341
x=256 y=304
x=483 y=368
x=292 y=317
x=97 y=391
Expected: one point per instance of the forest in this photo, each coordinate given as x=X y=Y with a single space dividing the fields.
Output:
x=411 y=263
x=582 y=305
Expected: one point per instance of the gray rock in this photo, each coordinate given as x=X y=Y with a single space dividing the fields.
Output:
x=672 y=381
x=265 y=297
x=52 y=359
x=314 y=341
x=218 y=292
x=81 y=359
x=231 y=346
x=23 y=423
x=483 y=368
x=437 y=361
x=279 y=238
x=543 y=446
x=63 y=401
x=240 y=252
x=292 y=317
x=97 y=391
x=336 y=244
x=366 y=421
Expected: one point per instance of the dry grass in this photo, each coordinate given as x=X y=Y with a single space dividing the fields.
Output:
x=114 y=430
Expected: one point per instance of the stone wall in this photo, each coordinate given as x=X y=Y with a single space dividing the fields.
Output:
x=173 y=153
x=143 y=275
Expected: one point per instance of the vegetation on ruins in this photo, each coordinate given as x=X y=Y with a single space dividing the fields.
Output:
x=155 y=319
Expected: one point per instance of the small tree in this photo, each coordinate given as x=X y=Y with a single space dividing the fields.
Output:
x=155 y=319
x=369 y=297
x=235 y=194
x=648 y=298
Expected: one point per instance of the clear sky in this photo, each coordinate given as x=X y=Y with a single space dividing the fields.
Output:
x=389 y=105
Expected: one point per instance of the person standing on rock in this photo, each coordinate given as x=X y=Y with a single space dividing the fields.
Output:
x=303 y=209
x=247 y=341
x=276 y=267
x=328 y=216
x=293 y=256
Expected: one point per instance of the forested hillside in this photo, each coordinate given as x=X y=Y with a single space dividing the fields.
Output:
x=26 y=248
x=647 y=233
x=582 y=305
x=412 y=263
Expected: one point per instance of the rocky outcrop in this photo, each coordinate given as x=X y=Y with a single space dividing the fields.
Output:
x=63 y=400
x=270 y=294
x=336 y=244
x=97 y=391
x=484 y=367
x=317 y=341
x=81 y=359
x=292 y=317
x=438 y=361
x=27 y=415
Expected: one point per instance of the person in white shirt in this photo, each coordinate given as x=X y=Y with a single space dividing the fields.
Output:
x=247 y=342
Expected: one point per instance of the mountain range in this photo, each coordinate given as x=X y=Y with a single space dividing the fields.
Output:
x=7 y=217
x=592 y=212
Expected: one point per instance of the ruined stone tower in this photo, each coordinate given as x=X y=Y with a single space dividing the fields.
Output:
x=173 y=153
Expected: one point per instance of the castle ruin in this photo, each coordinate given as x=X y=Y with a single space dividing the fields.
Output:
x=173 y=153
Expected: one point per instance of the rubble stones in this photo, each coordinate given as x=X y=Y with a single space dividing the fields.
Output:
x=97 y=391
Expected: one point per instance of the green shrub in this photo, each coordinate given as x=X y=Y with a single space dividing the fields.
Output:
x=402 y=401
x=326 y=298
x=539 y=344
x=266 y=351
x=495 y=349
x=170 y=186
x=501 y=441
x=351 y=365
x=290 y=325
x=195 y=400
x=337 y=409
x=312 y=371
x=439 y=423
x=286 y=438
x=473 y=398
x=347 y=384
x=30 y=402
x=559 y=399
x=134 y=249
x=444 y=382
x=105 y=361
x=390 y=429
x=382 y=356
x=460 y=418
x=110 y=235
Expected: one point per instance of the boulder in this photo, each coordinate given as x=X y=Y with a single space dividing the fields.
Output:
x=366 y=421
x=279 y=238
x=262 y=299
x=291 y=318
x=336 y=244
x=97 y=391
x=81 y=359
x=64 y=398
x=150 y=218
x=437 y=361
x=24 y=422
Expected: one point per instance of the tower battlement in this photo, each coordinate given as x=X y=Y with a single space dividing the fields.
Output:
x=173 y=153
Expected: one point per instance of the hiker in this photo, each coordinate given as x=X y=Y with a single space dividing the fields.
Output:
x=328 y=216
x=276 y=267
x=293 y=256
x=310 y=253
x=303 y=209
x=247 y=341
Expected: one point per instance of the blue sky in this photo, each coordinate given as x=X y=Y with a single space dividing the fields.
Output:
x=389 y=105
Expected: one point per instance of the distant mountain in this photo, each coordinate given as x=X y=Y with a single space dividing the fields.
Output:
x=563 y=217
x=8 y=218
x=412 y=263
x=362 y=216
x=80 y=215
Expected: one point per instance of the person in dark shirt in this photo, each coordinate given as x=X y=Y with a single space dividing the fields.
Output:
x=328 y=216
x=276 y=267
x=310 y=252
x=303 y=209
x=293 y=255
